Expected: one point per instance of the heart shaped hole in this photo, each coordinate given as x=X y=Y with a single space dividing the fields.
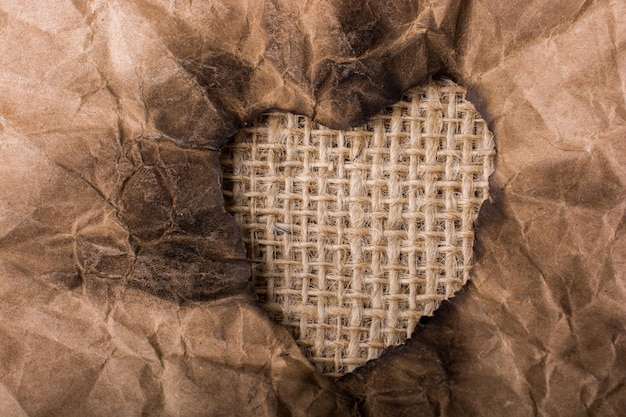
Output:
x=354 y=235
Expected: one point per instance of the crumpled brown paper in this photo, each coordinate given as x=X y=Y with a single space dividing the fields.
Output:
x=123 y=284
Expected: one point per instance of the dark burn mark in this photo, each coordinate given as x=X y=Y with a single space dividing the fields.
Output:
x=181 y=277
x=362 y=31
x=180 y=244
x=146 y=204
x=225 y=78
x=180 y=110
x=350 y=92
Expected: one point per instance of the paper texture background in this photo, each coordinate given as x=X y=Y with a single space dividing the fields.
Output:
x=123 y=284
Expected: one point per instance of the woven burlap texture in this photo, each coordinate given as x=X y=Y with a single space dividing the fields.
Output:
x=354 y=235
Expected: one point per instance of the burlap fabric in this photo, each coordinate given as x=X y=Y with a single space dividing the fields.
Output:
x=354 y=235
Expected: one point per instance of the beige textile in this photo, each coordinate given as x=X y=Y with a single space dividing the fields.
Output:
x=354 y=235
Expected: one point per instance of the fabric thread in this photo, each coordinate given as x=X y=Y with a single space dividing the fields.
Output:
x=353 y=235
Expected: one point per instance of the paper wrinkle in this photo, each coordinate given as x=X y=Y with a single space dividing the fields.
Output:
x=539 y=330
x=9 y=406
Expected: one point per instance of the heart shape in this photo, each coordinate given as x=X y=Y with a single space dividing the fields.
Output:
x=354 y=235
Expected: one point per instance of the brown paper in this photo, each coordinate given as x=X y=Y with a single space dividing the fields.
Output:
x=124 y=285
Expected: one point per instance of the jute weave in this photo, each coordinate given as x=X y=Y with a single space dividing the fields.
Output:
x=354 y=235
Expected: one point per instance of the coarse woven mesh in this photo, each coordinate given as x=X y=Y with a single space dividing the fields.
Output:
x=353 y=235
